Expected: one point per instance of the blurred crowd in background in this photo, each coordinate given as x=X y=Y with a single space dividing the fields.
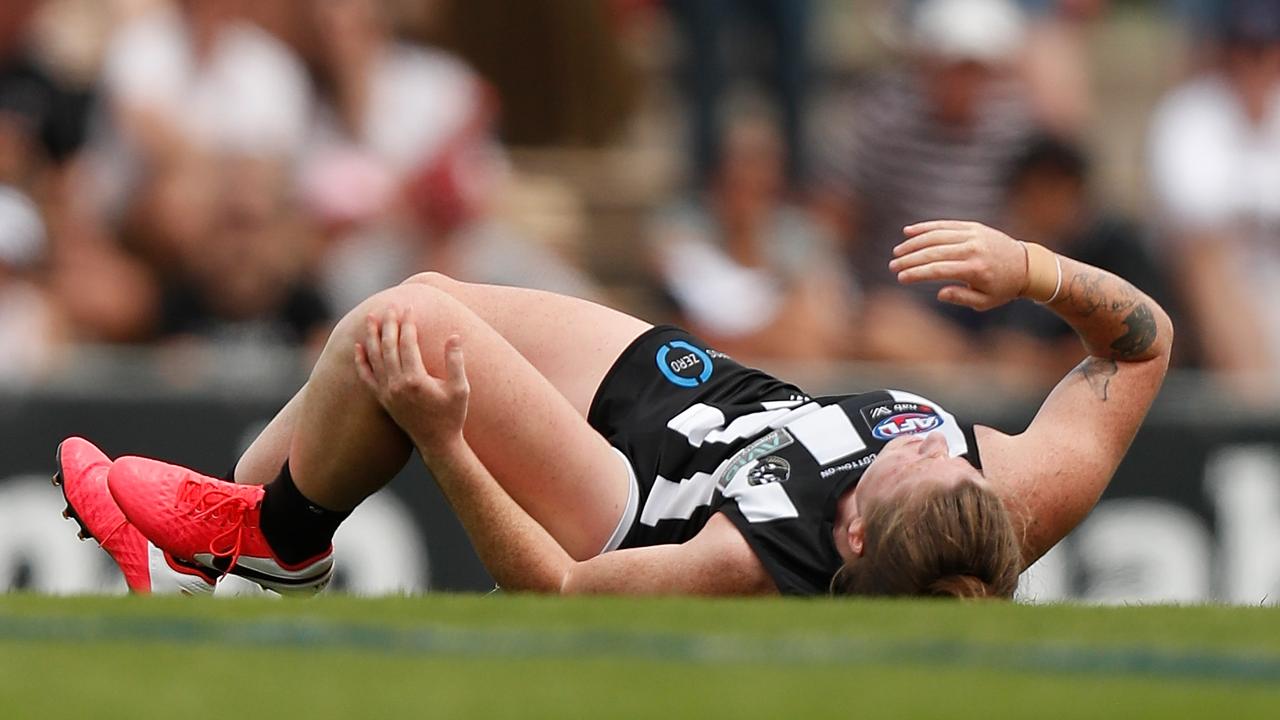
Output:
x=236 y=172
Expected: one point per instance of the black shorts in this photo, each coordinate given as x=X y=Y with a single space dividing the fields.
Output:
x=660 y=375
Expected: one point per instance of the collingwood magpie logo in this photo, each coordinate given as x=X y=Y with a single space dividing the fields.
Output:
x=772 y=469
x=771 y=443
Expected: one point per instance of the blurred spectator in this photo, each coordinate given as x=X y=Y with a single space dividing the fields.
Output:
x=388 y=111
x=245 y=279
x=1057 y=62
x=558 y=65
x=401 y=165
x=46 y=75
x=1199 y=18
x=186 y=85
x=751 y=274
x=1215 y=167
x=933 y=142
x=714 y=55
x=1050 y=201
x=1055 y=59
x=43 y=116
x=48 y=62
x=28 y=326
x=501 y=241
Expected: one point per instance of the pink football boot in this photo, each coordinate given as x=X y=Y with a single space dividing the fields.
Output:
x=210 y=522
x=82 y=475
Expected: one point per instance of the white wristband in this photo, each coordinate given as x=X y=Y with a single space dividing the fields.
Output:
x=1057 y=288
x=1040 y=278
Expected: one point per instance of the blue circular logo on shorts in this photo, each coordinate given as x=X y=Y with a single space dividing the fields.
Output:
x=684 y=364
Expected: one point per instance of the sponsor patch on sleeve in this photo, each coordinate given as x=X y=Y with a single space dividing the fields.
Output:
x=892 y=418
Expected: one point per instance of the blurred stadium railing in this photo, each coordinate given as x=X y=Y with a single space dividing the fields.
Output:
x=1193 y=514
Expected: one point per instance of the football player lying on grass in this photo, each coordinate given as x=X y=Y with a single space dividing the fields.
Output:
x=586 y=451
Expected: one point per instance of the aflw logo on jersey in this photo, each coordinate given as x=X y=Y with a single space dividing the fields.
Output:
x=891 y=419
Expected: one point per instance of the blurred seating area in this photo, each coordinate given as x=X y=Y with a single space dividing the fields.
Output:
x=194 y=176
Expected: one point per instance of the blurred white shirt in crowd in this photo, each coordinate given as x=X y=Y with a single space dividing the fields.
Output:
x=1215 y=173
x=714 y=290
x=420 y=102
x=1213 y=167
x=26 y=322
x=250 y=96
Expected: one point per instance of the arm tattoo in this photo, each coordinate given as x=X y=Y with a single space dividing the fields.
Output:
x=1088 y=295
x=1098 y=373
x=1092 y=292
x=1141 y=334
x=1085 y=293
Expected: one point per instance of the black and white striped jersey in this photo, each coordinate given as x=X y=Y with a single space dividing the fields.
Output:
x=772 y=459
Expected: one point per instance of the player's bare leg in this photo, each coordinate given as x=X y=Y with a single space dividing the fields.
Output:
x=570 y=343
x=343 y=447
x=261 y=462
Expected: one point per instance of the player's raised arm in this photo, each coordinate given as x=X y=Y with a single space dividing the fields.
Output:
x=1052 y=474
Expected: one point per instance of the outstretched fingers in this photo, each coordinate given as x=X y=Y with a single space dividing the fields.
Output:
x=986 y=266
x=389 y=352
x=390 y=356
x=363 y=370
x=929 y=226
x=931 y=254
x=968 y=297
x=373 y=345
x=944 y=270
x=410 y=350
x=931 y=239
x=391 y=339
x=455 y=367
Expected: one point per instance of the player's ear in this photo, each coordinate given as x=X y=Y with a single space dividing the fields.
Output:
x=857 y=532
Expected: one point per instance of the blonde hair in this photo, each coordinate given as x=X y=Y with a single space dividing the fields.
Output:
x=956 y=541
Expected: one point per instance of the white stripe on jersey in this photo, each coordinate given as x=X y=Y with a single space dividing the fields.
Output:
x=702 y=423
x=827 y=434
x=696 y=421
x=677 y=500
x=760 y=503
x=951 y=430
x=775 y=404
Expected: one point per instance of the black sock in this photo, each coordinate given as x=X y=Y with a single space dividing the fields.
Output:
x=296 y=528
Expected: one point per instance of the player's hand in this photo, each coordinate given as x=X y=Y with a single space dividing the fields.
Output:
x=985 y=267
x=431 y=410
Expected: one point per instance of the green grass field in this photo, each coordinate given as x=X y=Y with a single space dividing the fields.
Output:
x=530 y=657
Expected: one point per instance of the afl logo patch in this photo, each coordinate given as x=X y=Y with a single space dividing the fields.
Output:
x=893 y=419
x=905 y=424
x=683 y=364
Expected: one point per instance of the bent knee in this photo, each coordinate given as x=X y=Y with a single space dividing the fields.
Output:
x=431 y=278
x=422 y=297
